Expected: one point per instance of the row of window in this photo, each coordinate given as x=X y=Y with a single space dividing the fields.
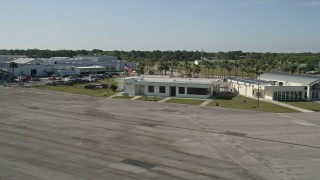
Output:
x=181 y=90
x=288 y=95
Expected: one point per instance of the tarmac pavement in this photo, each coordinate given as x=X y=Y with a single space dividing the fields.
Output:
x=55 y=135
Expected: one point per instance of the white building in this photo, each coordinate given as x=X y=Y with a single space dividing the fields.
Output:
x=89 y=69
x=29 y=67
x=65 y=66
x=275 y=86
x=7 y=58
x=98 y=58
x=166 y=86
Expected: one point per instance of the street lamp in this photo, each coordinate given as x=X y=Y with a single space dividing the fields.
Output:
x=258 y=90
x=258 y=73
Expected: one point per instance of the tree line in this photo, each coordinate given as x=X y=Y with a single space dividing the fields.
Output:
x=228 y=63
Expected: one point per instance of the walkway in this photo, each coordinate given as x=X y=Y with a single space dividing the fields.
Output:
x=288 y=106
x=164 y=100
x=206 y=102
x=118 y=94
x=135 y=97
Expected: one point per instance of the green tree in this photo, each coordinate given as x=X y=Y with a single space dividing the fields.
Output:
x=196 y=70
x=140 y=67
x=173 y=65
x=164 y=66
x=114 y=87
x=188 y=70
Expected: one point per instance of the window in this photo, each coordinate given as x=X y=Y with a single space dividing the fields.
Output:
x=197 y=91
x=287 y=95
x=151 y=89
x=300 y=95
x=162 y=89
x=275 y=95
x=181 y=90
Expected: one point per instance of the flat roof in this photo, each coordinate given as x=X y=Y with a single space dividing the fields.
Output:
x=251 y=81
x=305 y=80
x=164 y=79
x=24 y=60
x=90 y=67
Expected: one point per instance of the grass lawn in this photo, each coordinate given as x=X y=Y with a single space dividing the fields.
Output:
x=123 y=97
x=241 y=102
x=185 y=101
x=79 y=89
x=150 y=98
x=313 y=106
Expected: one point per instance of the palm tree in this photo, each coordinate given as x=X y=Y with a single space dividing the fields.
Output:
x=207 y=66
x=236 y=66
x=212 y=67
x=188 y=70
x=164 y=66
x=140 y=67
x=160 y=69
x=173 y=65
x=196 y=69
x=180 y=66
x=13 y=65
x=242 y=70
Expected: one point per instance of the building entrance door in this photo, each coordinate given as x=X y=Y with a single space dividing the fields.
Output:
x=33 y=72
x=172 y=91
x=141 y=90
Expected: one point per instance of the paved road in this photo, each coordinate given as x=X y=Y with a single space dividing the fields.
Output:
x=53 y=135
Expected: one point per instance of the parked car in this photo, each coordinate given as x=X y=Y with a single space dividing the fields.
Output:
x=51 y=83
x=59 y=82
x=106 y=85
x=92 y=80
x=35 y=78
x=25 y=78
x=52 y=78
x=90 y=86
x=97 y=86
x=69 y=83
x=96 y=77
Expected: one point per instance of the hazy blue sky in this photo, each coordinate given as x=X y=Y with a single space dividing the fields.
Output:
x=211 y=25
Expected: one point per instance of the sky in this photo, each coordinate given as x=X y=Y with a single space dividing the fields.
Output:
x=208 y=25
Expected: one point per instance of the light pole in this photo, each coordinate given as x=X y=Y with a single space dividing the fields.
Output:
x=258 y=90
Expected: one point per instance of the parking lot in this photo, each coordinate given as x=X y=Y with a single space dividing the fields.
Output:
x=55 y=135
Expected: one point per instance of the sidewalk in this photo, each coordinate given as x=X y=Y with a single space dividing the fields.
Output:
x=206 y=102
x=135 y=97
x=118 y=94
x=164 y=100
x=288 y=106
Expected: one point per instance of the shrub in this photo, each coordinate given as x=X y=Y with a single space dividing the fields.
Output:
x=114 y=87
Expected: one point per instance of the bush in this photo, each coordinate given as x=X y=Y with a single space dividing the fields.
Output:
x=114 y=87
